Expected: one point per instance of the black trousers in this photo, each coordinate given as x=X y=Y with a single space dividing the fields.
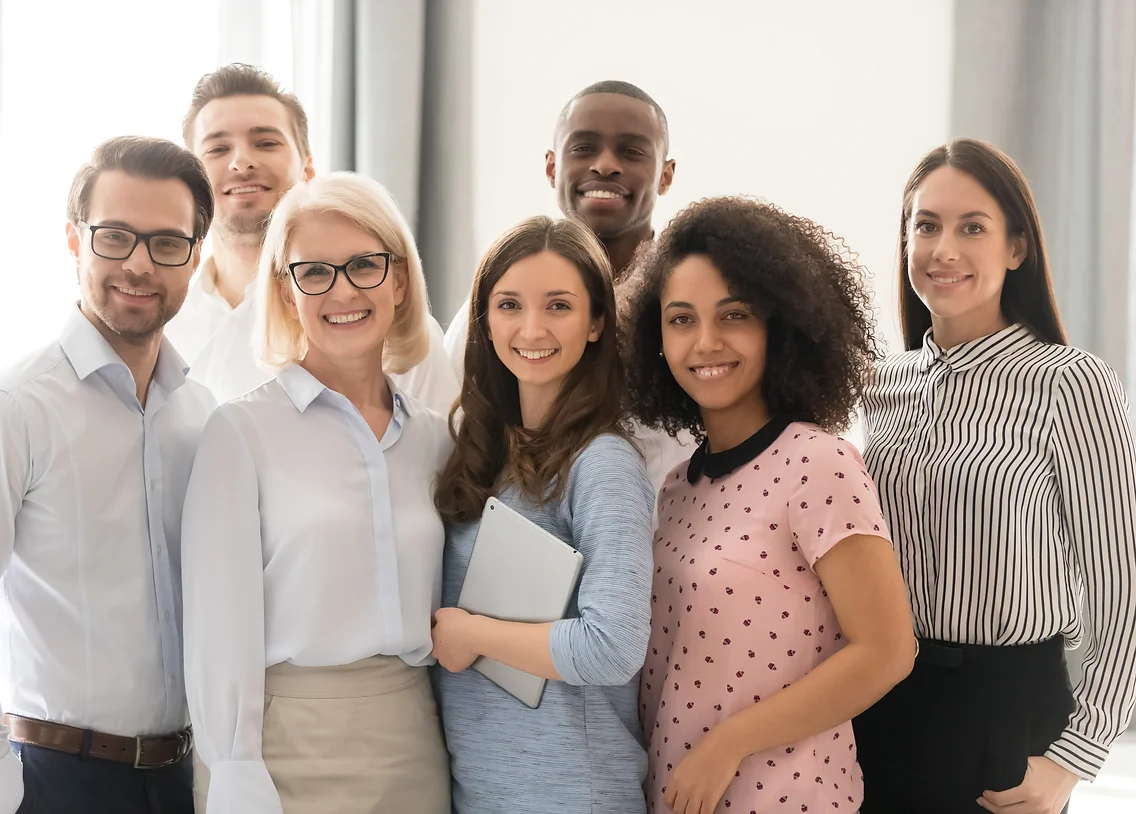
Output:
x=965 y=721
x=58 y=783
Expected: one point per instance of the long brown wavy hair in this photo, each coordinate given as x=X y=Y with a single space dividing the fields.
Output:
x=1027 y=294
x=492 y=448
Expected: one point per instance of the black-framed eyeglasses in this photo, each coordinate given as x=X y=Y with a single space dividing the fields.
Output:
x=118 y=243
x=366 y=271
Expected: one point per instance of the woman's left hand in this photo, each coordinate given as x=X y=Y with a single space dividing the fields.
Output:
x=452 y=635
x=702 y=777
x=1045 y=790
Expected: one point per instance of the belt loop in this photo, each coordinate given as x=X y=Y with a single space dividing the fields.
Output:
x=85 y=746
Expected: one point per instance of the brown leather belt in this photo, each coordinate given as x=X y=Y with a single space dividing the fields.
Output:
x=142 y=753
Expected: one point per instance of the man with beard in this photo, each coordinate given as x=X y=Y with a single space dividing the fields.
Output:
x=98 y=432
x=608 y=164
x=253 y=139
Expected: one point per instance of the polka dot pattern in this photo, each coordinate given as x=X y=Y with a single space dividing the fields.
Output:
x=738 y=614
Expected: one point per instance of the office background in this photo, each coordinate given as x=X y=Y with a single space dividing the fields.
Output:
x=821 y=106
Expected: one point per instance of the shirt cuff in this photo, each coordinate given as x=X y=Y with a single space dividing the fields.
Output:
x=242 y=787
x=1078 y=754
x=11 y=780
x=560 y=647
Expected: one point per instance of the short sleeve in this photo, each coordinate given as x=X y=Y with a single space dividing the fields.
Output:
x=832 y=496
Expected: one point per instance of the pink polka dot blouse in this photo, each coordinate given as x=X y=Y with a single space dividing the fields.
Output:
x=738 y=613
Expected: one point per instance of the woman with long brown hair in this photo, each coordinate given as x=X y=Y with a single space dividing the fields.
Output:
x=543 y=431
x=1005 y=465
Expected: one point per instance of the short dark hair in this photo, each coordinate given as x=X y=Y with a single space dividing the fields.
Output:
x=1027 y=293
x=801 y=280
x=622 y=89
x=239 y=79
x=144 y=157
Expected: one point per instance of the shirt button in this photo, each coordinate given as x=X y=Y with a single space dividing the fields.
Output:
x=153 y=484
x=166 y=616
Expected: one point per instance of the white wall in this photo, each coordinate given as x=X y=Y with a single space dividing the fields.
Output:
x=821 y=107
x=72 y=75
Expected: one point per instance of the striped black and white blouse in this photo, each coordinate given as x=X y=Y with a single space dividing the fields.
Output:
x=1007 y=472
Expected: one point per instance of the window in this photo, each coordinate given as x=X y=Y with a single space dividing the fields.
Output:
x=72 y=75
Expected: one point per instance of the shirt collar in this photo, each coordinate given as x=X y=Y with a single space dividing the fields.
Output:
x=208 y=281
x=88 y=351
x=973 y=353
x=208 y=275
x=303 y=388
x=719 y=464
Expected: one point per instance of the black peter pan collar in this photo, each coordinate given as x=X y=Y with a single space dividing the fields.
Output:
x=719 y=464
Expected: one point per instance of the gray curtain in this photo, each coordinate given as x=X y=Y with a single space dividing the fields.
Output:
x=1053 y=83
x=401 y=110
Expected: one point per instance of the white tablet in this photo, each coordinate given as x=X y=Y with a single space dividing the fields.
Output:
x=517 y=572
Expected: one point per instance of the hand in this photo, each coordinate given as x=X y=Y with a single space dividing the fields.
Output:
x=452 y=635
x=1045 y=790
x=702 y=777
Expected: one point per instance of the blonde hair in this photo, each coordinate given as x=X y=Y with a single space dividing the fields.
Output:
x=280 y=339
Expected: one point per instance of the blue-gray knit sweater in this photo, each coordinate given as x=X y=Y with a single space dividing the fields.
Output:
x=581 y=751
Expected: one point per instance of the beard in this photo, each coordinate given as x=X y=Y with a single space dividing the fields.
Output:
x=134 y=325
x=243 y=224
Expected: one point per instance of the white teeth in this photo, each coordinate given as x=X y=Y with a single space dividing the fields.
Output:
x=243 y=190
x=535 y=354
x=711 y=372
x=134 y=292
x=344 y=319
x=948 y=280
x=602 y=193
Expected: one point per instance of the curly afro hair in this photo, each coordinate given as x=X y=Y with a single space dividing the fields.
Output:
x=803 y=281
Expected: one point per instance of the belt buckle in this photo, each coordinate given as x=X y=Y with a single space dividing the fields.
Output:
x=184 y=741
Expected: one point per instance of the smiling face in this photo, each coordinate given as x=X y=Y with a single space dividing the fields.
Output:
x=609 y=163
x=345 y=325
x=713 y=342
x=958 y=255
x=540 y=322
x=247 y=145
x=132 y=299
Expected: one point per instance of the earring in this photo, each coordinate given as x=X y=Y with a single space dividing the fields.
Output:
x=660 y=354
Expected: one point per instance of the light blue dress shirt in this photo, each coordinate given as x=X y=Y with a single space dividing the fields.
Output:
x=91 y=493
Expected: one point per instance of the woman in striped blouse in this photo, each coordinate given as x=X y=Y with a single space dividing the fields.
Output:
x=1006 y=469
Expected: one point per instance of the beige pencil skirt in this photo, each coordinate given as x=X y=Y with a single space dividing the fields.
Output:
x=360 y=738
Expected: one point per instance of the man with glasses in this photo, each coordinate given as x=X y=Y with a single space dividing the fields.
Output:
x=253 y=139
x=97 y=436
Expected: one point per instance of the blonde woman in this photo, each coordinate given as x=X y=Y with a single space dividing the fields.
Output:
x=312 y=548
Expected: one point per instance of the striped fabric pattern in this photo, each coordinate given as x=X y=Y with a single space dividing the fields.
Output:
x=1007 y=473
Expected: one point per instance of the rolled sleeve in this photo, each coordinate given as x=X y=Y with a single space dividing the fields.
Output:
x=610 y=501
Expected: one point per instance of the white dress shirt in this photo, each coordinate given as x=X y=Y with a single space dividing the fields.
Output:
x=1007 y=472
x=91 y=495
x=662 y=452
x=307 y=540
x=218 y=342
x=454 y=341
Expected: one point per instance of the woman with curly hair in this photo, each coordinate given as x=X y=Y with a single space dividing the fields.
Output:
x=779 y=610
x=543 y=431
x=1007 y=471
